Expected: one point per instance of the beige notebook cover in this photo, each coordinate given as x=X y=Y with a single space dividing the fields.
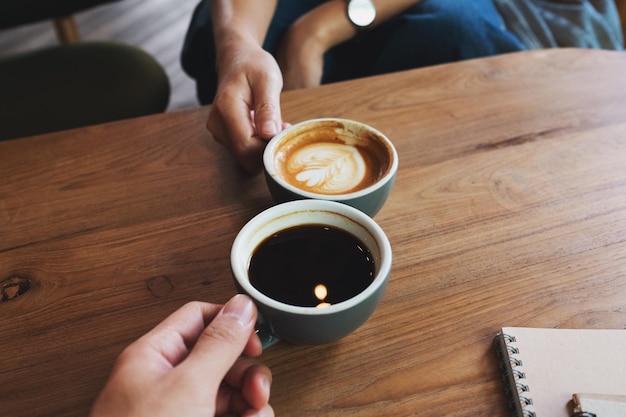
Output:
x=545 y=367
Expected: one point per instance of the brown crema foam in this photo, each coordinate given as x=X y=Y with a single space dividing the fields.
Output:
x=332 y=158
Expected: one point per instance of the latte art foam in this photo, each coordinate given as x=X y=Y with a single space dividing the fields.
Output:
x=328 y=157
x=327 y=168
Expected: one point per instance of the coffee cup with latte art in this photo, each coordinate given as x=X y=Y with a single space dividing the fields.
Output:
x=331 y=159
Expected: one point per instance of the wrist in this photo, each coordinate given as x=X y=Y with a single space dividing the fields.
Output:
x=233 y=36
x=231 y=46
x=361 y=13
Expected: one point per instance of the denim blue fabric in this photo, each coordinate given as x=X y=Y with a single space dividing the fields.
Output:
x=428 y=33
x=563 y=23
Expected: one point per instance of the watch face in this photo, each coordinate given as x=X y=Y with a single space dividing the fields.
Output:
x=361 y=12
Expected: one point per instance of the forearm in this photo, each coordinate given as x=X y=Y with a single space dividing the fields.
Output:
x=244 y=19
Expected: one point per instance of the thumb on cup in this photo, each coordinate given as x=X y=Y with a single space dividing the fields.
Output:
x=226 y=337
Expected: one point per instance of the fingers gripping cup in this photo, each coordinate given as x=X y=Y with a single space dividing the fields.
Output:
x=331 y=159
x=315 y=269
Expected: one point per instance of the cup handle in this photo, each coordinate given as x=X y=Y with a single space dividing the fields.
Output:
x=265 y=333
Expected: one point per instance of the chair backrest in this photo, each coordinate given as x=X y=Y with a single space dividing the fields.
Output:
x=77 y=83
x=67 y=86
x=15 y=13
x=21 y=12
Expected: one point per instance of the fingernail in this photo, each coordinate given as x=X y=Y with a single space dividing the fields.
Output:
x=269 y=128
x=241 y=308
x=267 y=386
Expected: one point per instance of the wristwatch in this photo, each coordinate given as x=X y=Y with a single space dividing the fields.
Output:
x=361 y=13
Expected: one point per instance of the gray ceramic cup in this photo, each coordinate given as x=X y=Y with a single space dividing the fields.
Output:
x=331 y=159
x=311 y=325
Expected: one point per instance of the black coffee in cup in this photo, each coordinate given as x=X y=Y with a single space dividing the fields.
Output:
x=311 y=266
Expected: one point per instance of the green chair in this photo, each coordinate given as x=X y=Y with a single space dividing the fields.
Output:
x=75 y=83
x=22 y=12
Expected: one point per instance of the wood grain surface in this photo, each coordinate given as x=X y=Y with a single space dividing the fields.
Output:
x=509 y=209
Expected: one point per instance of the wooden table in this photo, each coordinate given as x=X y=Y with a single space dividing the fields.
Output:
x=509 y=209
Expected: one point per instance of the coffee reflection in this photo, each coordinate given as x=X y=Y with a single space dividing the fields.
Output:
x=321 y=292
x=311 y=266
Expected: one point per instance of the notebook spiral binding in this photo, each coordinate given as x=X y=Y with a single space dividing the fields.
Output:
x=513 y=377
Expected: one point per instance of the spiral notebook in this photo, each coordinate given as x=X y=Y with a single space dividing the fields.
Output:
x=544 y=368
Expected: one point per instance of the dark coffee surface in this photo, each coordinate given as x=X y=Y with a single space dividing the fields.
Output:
x=311 y=265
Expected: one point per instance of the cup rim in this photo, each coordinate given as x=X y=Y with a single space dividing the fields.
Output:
x=240 y=269
x=268 y=162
